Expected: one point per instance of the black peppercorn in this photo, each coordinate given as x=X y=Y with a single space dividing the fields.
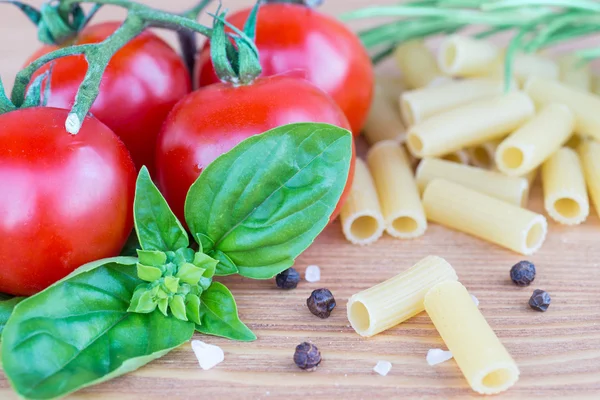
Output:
x=307 y=356
x=287 y=279
x=522 y=273
x=321 y=303
x=540 y=300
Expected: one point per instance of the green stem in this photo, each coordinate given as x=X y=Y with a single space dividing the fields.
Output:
x=5 y=104
x=572 y=4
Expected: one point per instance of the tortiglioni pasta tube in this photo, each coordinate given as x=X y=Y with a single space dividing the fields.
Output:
x=416 y=105
x=565 y=195
x=574 y=73
x=465 y=56
x=398 y=194
x=481 y=357
x=391 y=302
x=511 y=189
x=383 y=122
x=589 y=151
x=584 y=105
x=362 y=222
x=469 y=125
x=486 y=217
x=417 y=64
x=533 y=143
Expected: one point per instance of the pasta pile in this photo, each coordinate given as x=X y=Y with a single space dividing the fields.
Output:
x=432 y=285
x=480 y=146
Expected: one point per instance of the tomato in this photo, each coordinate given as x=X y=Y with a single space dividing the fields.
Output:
x=212 y=120
x=291 y=36
x=66 y=199
x=142 y=83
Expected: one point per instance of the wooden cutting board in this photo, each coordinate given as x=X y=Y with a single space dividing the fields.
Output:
x=558 y=351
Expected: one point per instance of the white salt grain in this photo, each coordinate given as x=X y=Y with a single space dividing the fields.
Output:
x=208 y=355
x=383 y=367
x=436 y=356
x=475 y=300
x=312 y=273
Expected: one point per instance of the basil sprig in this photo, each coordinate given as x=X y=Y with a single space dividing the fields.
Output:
x=252 y=211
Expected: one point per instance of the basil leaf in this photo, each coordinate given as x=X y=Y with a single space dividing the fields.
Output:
x=6 y=309
x=78 y=332
x=225 y=266
x=219 y=315
x=264 y=202
x=156 y=225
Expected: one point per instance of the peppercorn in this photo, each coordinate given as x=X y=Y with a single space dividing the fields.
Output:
x=307 y=356
x=321 y=303
x=287 y=279
x=522 y=273
x=540 y=300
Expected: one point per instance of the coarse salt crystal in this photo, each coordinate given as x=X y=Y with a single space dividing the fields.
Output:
x=475 y=300
x=312 y=273
x=383 y=367
x=208 y=355
x=436 y=356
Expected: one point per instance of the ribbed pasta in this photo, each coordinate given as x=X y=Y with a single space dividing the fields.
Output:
x=589 y=152
x=417 y=64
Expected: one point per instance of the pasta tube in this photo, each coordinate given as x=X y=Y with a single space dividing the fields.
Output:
x=383 y=122
x=478 y=214
x=416 y=105
x=458 y=157
x=596 y=84
x=526 y=66
x=574 y=141
x=362 y=222
x=392 y=86
x=589 y=151
x=417 y=64
x=574 y=74
x=470 y=125
x=585 y=106
x=511 y=189
x=565 y=195
x=467 y=57
x=483 y=155
x=391 y=302
x=533 y=143
x=402 y=209
x=481 y=357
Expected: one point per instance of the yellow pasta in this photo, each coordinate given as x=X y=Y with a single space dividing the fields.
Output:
x=465 y=56
x=362 y=222
x=398 y=194
x=533 y=143
x=483 y=216
x=383 y=122
x=416 y=105
x=469 y=125
x=574 y=141
x=458 y=157
x=526 y=66
x=574 y=73
x=589 y=151
x=483 y=155
x=392 y=86
x=565 y=195
x=511 y=189
x=584 y=105
x=417 y=64
x=596 y=84
x=391 y=302
x=481 y=357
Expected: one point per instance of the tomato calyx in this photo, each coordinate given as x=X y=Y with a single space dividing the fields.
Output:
x=34 y=96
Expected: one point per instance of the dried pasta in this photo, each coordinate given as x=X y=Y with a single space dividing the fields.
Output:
x=514 y=190
x=483 y=155
x=575 y=74
x=417 y=64
x=458 y=157
x=526 y=66
x=391 y=302
x=481 y=357
x=533 y=143
x=483 y=216
x=465 y=56
x=565 y=195
x=362 y=222
x=469 y=125
x=417 y=105
x=589 y=151
x=392 y=86
x=383 y=122
x=584 y=105
x=596 y=84
x=402 y=209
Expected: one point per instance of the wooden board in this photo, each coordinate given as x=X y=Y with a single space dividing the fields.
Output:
x=558 y=351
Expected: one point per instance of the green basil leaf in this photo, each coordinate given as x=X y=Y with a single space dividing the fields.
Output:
x=219 y=315
x=225 y=266
x=156 y=225
x=78 y=332
x=6 y=310
x=204 y=242
x=264 y=202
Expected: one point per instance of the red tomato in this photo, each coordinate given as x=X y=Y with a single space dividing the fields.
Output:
x=142 y=83
x=291 y=36
x=212 y=120
x=66 y=199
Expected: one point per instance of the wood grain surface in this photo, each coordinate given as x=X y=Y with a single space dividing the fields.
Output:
x=558 y=351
